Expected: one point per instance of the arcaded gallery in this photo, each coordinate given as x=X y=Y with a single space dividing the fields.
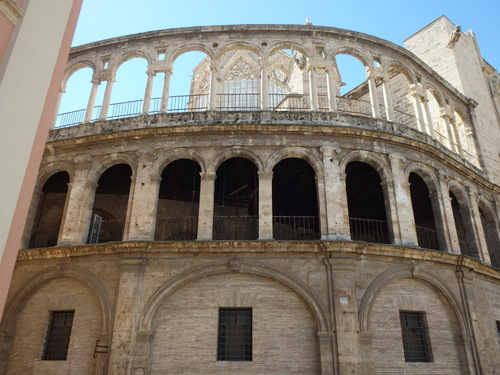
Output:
x=278 y=218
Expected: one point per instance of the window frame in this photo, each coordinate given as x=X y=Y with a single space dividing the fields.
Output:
x=235 y=324
x=58 y=335
x=416 y=340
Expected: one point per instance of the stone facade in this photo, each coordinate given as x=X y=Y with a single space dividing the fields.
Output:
x=327 y=222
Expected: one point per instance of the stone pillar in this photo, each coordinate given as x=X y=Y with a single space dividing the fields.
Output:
x=93 y=94
x=404 y=209
x=29 y=227
x=265 y=205
x=148 y=92
x=418 y=111
x=326 y=353
x=78 y=210
x=313 y=89
x=206 y=214
x=107 y=96
x=144 y=194
x=453 y=245
x=389 y=108
x=372 y=86
x=165 y=92
x=478 y=228
x=337 y=215
x=141 y=352
x=213 y=87
x=62 y=90
x=322 y=210
x=456 y=135
x=446 y=115
x=438 y=209
x=264 y=87
x=127 y=313
x=391 y=211
x=427 y=115
x=332 y=89
x=345 y=313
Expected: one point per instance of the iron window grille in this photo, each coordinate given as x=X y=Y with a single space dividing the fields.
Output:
x=235 y=334
x=416 y=342
x=58 y=335
x=498 y=327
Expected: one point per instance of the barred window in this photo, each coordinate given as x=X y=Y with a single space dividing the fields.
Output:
x=498 y=327
x=415 y=339
x=58 y=335
x=235 y=334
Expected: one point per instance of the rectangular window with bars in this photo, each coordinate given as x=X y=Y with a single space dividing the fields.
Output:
x=58 y=335
x=235 y=334
x=416 y=342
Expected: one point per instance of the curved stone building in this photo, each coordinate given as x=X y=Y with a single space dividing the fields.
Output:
x=268 y=223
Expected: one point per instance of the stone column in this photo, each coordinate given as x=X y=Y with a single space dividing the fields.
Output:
x=372 y=86
x=91 y=103
x=478 y=227
x=213 y=87
x=265 y=205
x=264 y=87
x=206 y=209
x=148 y=92
x=391 y=211
x=107 y=96
x=427 y=115
x=404 y=209
x=313 y=89
x=78 y=210
x=337 y=215
x=456 y=135
x=418 y=111
x=332 y=89
x=445 y=117
x=144 y=193
x=345 y=313
x=127 y=311
x=453 y=245
x=62 y=90
x=29 y=227
x=322 y=210
x=389 y=108
x=165 y=92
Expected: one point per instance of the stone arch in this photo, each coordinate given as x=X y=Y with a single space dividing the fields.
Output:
x=281 y=45
x=72 y=69
x=238 y=45
x=437 y=95
x=118 y=60
x=362 y=56
x=369 y=158
x=407 y=72
x=100 y=165
x=231 y=152
x=425 y=172
x=86 y=277
x=235 y=266
x=295 y=152
x=400 y=272
x=52 y=168
x=191 y=47
x=175 y=154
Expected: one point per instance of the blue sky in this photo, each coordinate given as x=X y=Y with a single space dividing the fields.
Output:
x=392 y=20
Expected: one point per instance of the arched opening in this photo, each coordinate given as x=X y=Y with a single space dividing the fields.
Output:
x=50 y=210
x=490 y=230
x=178 y=202
x=423 y=214
x=128 y=90
x=286 y=80
x=240 y=72
x=110 y=205
x=75 y=98
x=236 y=201
x=466 y=136
x=295 y=201
x=404 y=109
x=466 y=247
x=354 y=91
x=366 y=204
x=190 y=83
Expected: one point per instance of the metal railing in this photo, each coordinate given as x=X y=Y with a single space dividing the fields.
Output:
x=238 y=102
x=44 y=237
x=235 y=228
x=184 y=228
x=427 y=238
x=301 y=228
x=369 y=230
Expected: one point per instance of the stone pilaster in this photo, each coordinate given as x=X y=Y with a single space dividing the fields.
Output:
x=206 y=215
x=144 y=192
x=452 y=244
x=337 y=216
x=265 y=205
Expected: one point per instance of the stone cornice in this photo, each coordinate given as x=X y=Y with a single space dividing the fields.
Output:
x=11 y=11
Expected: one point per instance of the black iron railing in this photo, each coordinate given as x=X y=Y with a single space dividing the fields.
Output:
x=44 y=237
x=183 y=228
x=300 y=228
x=369 y=230
x=235 y=228
x=427 y=238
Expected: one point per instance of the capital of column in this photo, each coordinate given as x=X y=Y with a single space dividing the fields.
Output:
x=208 y=176
x=107 y=76
x=330 y=151
x=151 y=73
x=340 y=263
x=146 y=155
x=83 y=161
x=265 y=175
x=446 y=113
x=396 y=157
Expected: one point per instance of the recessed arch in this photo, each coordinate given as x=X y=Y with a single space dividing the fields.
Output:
x=372 y=159
x=178 y=153
x=282 y=45
x=189 y=47
x=232 y=152
x=363 y=58
x=100 y=165
x=295 y=152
